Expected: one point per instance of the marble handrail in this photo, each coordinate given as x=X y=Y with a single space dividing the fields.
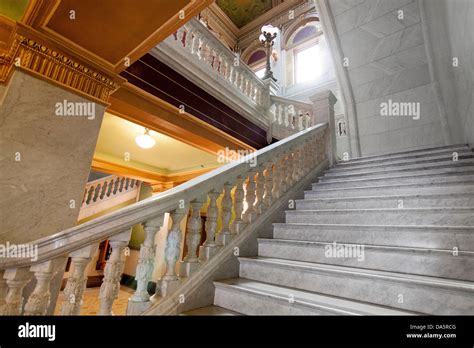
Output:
x=258 y=179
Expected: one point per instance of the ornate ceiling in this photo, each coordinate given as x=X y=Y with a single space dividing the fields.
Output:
x=242 y=12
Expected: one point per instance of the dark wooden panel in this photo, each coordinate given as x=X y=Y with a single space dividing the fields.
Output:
x=158 y=79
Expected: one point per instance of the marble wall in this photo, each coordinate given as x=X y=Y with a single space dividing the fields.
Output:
x=449 y=24
x=384 y=49
x=45 y=158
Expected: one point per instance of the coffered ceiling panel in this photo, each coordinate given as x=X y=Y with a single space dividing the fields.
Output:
x=242 y=12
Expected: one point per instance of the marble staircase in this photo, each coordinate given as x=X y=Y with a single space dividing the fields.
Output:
x=379 y=235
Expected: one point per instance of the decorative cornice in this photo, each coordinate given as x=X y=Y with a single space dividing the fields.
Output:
x=46 y=61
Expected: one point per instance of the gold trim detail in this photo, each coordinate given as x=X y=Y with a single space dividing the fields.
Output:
x=58 y=67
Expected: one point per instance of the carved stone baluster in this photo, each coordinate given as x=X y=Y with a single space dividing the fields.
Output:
x=238 y=224
x=190 y=264
x=225 y=235
x=276 y=178
x=209 y=248
x=38 y=301
x=289 y=171
x=260 y=190
x=110 y=287
x=250 y=214
x=140 y=300
x=3 y=291
x=76 y=283
x=170 y=280
x=203 y=50
x=17 y=279
x=284 y=185
x=268 y=198
x=196 y=44
x=188 y=39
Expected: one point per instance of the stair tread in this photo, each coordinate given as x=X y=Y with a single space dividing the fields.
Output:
x=420 y=196
x=336 y=304
x=412 y=278
x=408 y=176
x=424 y=209
x=408 y=227
x=399 y=157
x=452 y=183
x=444 y=252
x=439 y=148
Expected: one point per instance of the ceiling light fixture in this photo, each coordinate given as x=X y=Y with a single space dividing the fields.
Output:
x=145 y=141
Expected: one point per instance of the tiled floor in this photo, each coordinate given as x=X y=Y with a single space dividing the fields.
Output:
x=90 y=305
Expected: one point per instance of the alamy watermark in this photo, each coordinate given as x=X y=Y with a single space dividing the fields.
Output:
x=406 y=109
x=241 y=156
x=76 y=109
x=20 y=251
x=336 y=250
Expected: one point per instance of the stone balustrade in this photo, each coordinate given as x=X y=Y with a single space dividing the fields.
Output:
x=289 y=116
x=195 y=52
x=101 y=189
x=258 y=181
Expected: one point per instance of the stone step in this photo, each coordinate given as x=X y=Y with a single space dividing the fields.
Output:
x=431 y=237
x=439 y=167
x=429 y=295
x=257 y=298
x=210 y=310
x=407 y=216
x=397 y=163
x=431 y=262
x=406 y=155
x=461 y=186
x=396 y=201
x=402 y=179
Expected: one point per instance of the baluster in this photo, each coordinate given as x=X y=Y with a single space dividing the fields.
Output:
x=267 y=198
x=188 y=41
x=276 y=178
x=238 y=224
x=3 y=291
x=225 y=235
x=110 y=287
x=77 y=281
x=250 y=214
x=260 y=190
x=209 y=248
x=281 y=112
x=190 y=263
x=289 y=172
x=231 y=73
x=39 y=300
x=146 y=263
x=202 y=50
x=89 y=195
x=179 y=36
x=283 y=171
x=300 y=167
x=296 y=159
x=84 y=197
x=17 y=279
x=170 y=281
x=104 y=189
x=196 y=44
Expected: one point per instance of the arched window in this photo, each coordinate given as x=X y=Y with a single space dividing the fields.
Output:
x=303 y=45
x=256 y=62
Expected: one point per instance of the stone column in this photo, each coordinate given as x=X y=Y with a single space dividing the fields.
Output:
x=323 y=112
x=209 y=248
x=225 y=235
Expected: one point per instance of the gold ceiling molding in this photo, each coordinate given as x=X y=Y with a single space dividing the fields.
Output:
x=23 y=48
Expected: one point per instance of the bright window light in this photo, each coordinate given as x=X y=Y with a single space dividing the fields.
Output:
x=308 y=64
x=260 y=72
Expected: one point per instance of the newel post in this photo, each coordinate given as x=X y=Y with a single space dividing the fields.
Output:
x=323 y=112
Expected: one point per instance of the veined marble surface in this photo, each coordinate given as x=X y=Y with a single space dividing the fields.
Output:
x=55 y=157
